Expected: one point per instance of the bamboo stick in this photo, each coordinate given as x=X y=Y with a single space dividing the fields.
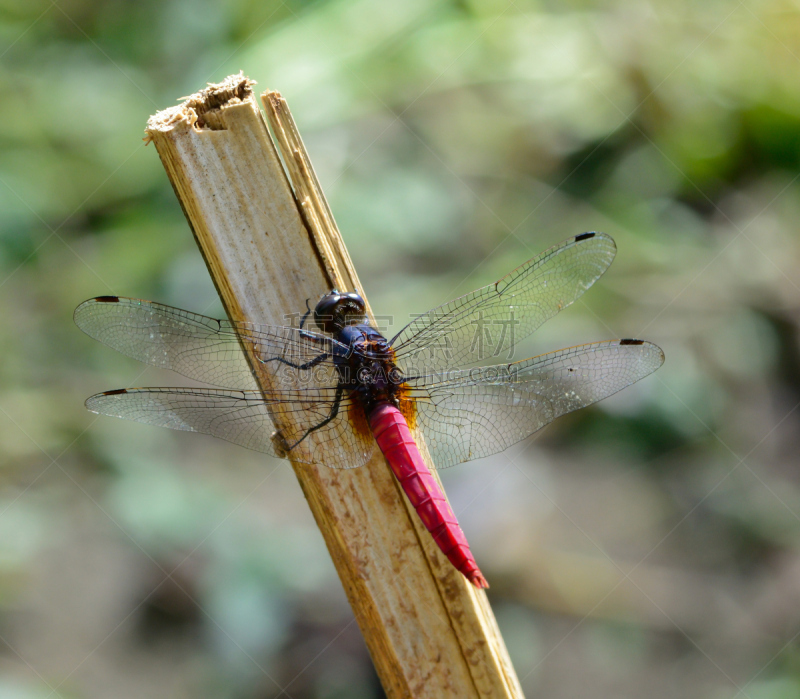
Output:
x=270 y=244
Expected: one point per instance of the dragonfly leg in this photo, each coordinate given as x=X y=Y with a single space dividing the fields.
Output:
x=337 y=401
x=308 y=365
x=305 y=315
x=303 y=333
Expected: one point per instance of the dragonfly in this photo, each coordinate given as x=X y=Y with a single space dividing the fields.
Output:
x=334 y=395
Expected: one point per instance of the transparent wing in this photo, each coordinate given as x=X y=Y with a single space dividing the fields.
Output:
x=303 y=381
x=469 y=414
x=245 y=418
x=202 y=348
x=487 y=323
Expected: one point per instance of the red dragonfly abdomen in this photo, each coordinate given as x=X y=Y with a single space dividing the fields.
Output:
x=395 y=441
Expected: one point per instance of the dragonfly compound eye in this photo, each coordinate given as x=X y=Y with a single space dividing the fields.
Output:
x=336 y=310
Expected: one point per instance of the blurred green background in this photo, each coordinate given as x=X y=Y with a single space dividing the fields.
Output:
x=647 y=546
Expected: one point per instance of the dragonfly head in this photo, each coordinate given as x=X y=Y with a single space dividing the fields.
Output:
x=336 y=310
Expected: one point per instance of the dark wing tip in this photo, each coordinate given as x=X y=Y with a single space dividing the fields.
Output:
x=653 y=351
x=82 y=307
x=595 y=234
x=95 y=403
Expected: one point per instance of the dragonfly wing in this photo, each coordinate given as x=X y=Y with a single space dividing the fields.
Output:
x=473 y=413
x=488 y=322
x=245 y=418
x=202 y=348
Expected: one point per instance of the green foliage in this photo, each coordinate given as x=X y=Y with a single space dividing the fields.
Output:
x=454 y=141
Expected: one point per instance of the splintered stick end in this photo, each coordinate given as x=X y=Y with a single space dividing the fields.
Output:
x=203 y=109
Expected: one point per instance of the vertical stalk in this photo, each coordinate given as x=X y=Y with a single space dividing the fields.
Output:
x=270 y=242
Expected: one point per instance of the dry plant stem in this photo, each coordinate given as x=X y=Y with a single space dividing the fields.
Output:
x=469 y=610
x=429 y=632
x=308 y=192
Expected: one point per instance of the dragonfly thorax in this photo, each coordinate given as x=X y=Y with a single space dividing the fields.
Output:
x=369 y=369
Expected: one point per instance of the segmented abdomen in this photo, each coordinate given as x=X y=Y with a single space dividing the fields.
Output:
x=395 y=441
